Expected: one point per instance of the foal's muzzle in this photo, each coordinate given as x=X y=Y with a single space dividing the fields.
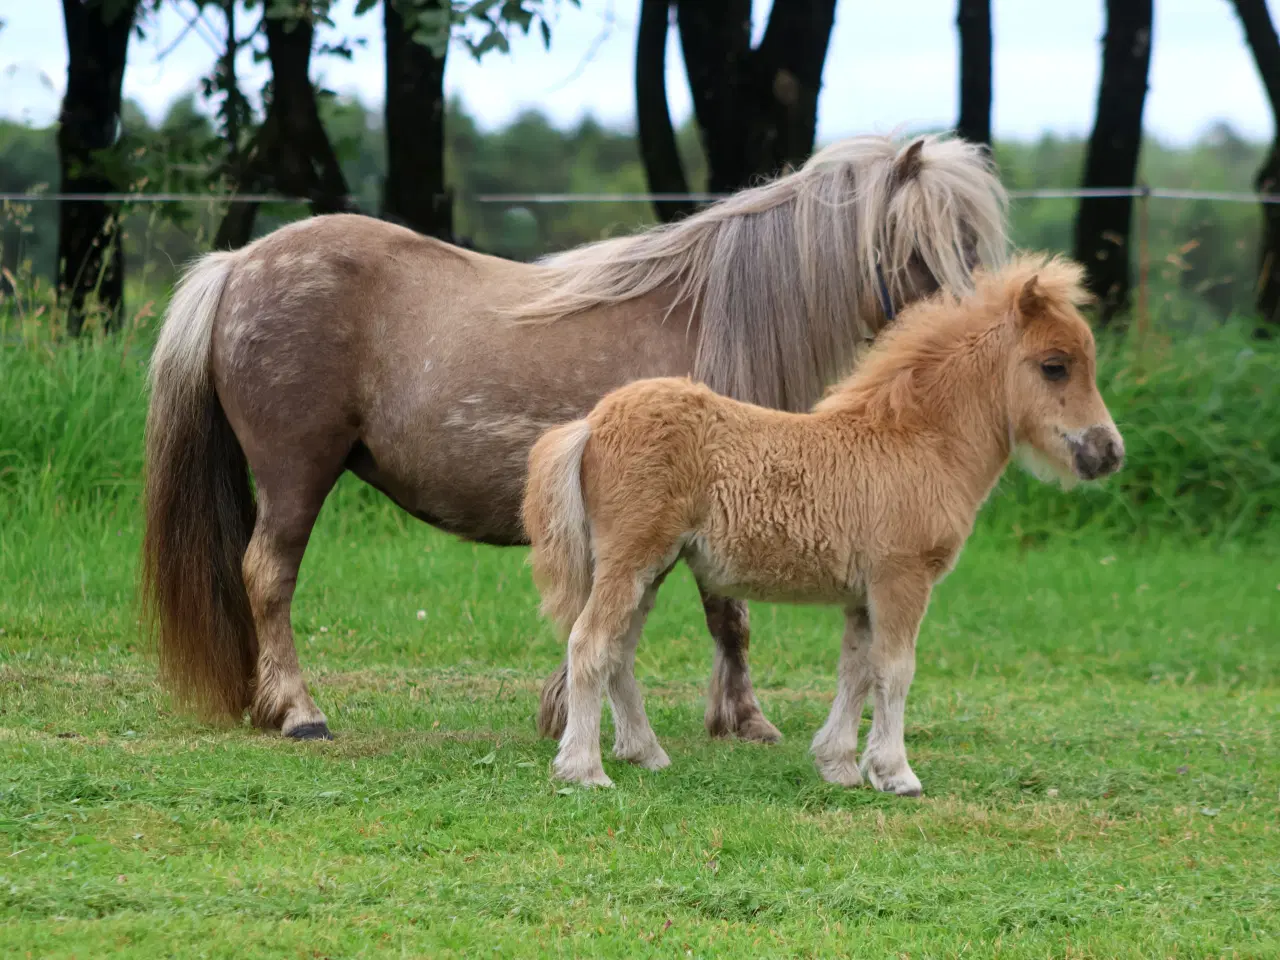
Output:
x=1097 y=452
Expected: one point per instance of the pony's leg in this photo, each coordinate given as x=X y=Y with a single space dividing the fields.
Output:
x=835 y=746
x=897 y=606
x=732 y=707
x=634 y=739
x=594 y=653
x=287 y=511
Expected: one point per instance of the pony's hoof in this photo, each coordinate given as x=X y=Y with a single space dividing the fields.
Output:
x=722 y=721
x=310 y=731
x=758 y=730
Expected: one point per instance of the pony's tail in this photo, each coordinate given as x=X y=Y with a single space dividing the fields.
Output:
x=555 y=518
x=199 y=512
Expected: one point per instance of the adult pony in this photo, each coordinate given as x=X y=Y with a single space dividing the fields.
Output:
x=345 y=343
x=864 y=503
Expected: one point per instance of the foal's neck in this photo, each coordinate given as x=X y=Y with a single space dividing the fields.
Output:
x=953 y=400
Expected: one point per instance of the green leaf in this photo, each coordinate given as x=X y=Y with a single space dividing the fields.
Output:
x=364 y=6
x=494 y=40
x=513 y=11
x=546 y=33
x=486 y=760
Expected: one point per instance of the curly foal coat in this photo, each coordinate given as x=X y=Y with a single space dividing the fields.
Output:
x=865 y=502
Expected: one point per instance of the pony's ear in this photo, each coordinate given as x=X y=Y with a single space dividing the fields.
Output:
x=1031 y=300
x=907 y=167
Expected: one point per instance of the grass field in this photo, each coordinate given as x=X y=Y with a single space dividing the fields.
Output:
x=1095 y=718
x=1097 y=727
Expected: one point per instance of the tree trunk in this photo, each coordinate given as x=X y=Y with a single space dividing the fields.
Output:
x=658 y=149
x=757 y=110
x=974 y=24
x=414 y=191
x=1103 y=223
x=291 y=153
x=1261 y=34
x=715 y=39
x=90 y=251
x=785 y=78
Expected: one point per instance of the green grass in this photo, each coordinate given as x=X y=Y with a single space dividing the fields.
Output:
x=1095 y=724
x=1095 y=719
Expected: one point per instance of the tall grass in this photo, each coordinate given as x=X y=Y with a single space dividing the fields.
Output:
x=1200 y=416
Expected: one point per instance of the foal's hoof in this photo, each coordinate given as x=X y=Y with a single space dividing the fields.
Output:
x=842 y=771
x=652 y=757
x=582 y=776
x=904 y=784
x=310 y=731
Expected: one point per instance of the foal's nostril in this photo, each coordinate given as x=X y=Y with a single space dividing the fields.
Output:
x=1112 y=456
x=1099 y=452
x=1110 y=451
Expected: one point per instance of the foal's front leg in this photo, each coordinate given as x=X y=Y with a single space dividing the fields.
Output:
x=732 y=707
x=896 y=606
x=835 y=746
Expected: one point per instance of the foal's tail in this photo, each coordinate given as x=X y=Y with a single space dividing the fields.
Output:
x=199 y=511
x=555 y=518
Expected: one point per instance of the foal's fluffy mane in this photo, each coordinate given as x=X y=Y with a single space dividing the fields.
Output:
x=782 y=276
x=894 y=375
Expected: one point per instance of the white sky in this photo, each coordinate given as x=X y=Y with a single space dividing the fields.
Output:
x=889 y=65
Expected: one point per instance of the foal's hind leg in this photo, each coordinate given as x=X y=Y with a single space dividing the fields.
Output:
x=598 y=652
x=290 y=495
x=634 y=739
x=732 y=707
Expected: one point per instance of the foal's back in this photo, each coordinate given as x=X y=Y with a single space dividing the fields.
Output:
x=761 y=503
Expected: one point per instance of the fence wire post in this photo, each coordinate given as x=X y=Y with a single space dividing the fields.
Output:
x=1144 y=261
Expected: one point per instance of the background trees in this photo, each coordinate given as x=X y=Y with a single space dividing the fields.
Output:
x=756 y=107
x=420 y=161
x=1261 y=35
x=973 y=23
x=1103 y=223
x=90 y=256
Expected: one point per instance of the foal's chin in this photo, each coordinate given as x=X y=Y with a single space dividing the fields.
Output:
x=1046 y=468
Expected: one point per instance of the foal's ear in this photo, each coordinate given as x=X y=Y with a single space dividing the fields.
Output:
x=907 y=166
x=1031 y=300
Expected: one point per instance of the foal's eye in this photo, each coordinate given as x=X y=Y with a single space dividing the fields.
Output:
x=1054 y=370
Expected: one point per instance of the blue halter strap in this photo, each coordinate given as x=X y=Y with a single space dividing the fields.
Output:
x=886 y=302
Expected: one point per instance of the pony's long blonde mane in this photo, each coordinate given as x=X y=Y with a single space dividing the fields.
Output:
x=782 y=277
x=897 y=378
